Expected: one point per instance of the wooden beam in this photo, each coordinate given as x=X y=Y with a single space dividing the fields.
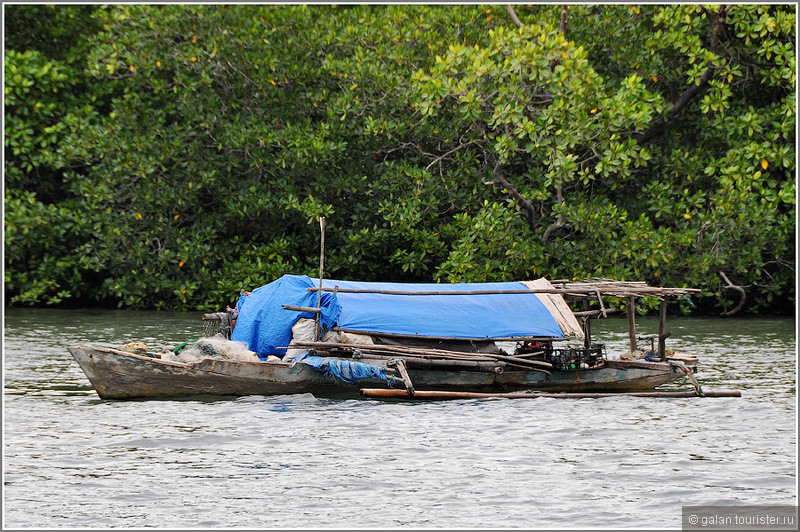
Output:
x=400 y=364
x=313 y=310
x=593 y=313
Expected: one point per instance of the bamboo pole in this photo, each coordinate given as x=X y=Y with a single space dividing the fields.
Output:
x=318 y=327
x=450 y=338
x=440 y=395
x=443 y=364
x=577 y=292
x=443 y=292
x=383 y=348
x=583 y=289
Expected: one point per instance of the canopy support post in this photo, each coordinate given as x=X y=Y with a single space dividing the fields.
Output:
x=662 y=325
x=587 y=328
x=632 y=322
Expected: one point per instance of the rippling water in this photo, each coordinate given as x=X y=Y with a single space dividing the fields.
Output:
x=72 y=460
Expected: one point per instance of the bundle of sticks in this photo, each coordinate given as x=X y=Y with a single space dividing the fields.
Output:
x=618 y=288
x=416 y=357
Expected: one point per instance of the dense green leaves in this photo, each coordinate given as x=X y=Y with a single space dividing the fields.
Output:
x=169 y=156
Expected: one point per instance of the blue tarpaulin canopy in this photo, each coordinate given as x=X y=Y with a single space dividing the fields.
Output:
x=266 y=326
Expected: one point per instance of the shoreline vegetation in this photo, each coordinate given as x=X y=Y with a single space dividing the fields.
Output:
x=169 y=156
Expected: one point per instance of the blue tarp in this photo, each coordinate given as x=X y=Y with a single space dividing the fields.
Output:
x=264 y=325
x=346 y=370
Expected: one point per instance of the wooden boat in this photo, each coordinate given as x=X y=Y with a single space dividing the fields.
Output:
x=420 y=359
x=118 y=374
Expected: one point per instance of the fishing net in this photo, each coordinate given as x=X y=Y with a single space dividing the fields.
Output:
x=217 y=323
x=217 y=347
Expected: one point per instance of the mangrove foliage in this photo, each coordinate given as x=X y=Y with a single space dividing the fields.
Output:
x=169 y=156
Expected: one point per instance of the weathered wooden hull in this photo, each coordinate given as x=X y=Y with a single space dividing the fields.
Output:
x=121 y=375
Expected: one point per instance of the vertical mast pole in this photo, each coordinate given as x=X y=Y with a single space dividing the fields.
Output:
x=318 y=332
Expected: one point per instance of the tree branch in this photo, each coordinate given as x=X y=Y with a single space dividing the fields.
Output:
x=658 y=126
x=527 y=207
x=564 y=15
x=439 y=158
x=514 y=16
x=737 y=288
x=563 y=29
x=559 y=223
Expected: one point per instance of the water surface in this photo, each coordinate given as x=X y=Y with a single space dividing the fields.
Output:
x=72 y=460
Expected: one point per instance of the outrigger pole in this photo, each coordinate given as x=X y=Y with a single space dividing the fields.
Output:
x=442 y=395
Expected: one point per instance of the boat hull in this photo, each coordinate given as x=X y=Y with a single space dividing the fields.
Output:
x=121 y=375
